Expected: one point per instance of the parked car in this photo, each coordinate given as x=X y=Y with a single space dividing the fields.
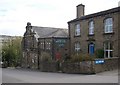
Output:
x=3 y=64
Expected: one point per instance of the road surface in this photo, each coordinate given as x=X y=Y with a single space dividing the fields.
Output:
x=12 y=75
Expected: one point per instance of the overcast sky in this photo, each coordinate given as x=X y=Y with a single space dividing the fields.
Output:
x=14 y=14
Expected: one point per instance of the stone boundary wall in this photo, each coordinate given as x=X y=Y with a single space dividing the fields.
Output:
x=49 y=66
x=90 y=67
x=85 y=67
x=109 y=64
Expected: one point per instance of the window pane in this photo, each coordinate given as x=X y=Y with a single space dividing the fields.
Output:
x=77 y=46
x=111 y=46
x=106 y=54
x=110 y=28
x=111 y=53
x=77 y=29
x=108 y=49
x=42 y=45
x=108 y=25
x=91 y=28
x=106 y=46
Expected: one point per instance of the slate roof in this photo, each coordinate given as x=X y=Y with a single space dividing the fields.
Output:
x=46 y=32
x=113 y=10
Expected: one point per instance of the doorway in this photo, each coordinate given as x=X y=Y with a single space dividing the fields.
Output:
x=91 y=49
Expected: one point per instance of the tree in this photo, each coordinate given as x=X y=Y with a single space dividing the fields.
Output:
x=11 y=52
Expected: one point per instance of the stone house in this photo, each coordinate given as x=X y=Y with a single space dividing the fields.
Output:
x=89 y=33
x=42 y=39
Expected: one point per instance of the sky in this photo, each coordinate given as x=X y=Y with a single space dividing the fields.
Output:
x=14 y=14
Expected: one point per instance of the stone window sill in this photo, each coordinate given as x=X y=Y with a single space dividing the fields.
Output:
x=77 y=35
x=111 y=33
x=91 y=34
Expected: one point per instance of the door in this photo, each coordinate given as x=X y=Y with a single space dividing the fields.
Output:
x=91 y=49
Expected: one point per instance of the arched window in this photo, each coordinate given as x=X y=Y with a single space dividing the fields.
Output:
x=77 y=47
x=77 y=29
x=91 y=28
x=108 y=25
x=108 y=49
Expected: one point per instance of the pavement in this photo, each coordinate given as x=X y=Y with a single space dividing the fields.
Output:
x=19 y=75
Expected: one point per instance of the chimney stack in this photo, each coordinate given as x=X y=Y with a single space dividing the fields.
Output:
x=80 y=10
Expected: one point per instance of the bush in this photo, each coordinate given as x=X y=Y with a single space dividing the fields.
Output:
x=87 y=57
x=76 y=58
x=99 y=53
x=46 y=57
x=81 y=57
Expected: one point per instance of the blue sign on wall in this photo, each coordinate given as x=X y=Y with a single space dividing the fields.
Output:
x=60 y=42
x=99 y=61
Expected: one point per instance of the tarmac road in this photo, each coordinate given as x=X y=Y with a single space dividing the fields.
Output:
x=12 y=75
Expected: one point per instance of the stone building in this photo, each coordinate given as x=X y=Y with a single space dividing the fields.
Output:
x=89 y=33
x=37 y=40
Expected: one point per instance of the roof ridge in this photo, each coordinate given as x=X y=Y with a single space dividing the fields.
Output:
x=112 y=10
x=115 y=8
x=48 y=27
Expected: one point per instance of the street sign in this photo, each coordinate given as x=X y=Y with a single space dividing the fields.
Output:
x=99 y=61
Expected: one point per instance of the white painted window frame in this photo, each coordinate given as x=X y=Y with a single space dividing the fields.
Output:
x=107 y=50
x=91 y=28
x=77 y=30
x=108 y=25
x=77 y=47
